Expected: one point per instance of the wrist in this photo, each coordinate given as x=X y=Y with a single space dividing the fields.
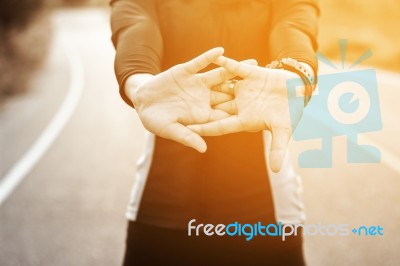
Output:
x=133 y=85
x=308 y=68
x=303 y=70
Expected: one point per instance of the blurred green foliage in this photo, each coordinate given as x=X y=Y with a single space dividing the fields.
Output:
x=18 y=13
x=24 y=34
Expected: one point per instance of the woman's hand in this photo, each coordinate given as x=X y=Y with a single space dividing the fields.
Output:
x=261 y=103
x=177 y=97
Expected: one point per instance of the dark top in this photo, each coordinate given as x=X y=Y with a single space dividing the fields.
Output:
x=229 y=182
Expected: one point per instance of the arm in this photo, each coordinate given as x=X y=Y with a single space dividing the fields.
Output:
x=294 y=26
x=137 y=40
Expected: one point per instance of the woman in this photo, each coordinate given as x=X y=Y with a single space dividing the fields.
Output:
x=230 y=182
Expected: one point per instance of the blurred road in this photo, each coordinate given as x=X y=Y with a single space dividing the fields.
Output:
x=69 y=210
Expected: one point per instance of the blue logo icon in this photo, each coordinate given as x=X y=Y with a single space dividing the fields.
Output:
x=347 y=104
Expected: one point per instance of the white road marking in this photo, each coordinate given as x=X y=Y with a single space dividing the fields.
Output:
x=20 y=169
x=388 y=158
x=391 y=80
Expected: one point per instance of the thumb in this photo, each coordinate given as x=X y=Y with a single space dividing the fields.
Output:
x=280 y=140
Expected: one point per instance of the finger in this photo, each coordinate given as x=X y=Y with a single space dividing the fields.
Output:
x=226 y=87
x=198 y=63
x=220 y=97
x=280 y=140
x=219 y=75
x=252 y=62
x=235 y=67
x=185 y=136
x=217 y=128
x=217 y=115
x=228 y=107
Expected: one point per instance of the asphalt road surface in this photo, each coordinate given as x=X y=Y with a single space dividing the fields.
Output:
x=70 y=146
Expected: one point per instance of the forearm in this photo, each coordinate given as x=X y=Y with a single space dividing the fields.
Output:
x=294 y=26
x=137 y=40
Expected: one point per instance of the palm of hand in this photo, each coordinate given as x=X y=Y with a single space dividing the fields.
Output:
x=168 y=102
x=174 y=97
x=262 y=101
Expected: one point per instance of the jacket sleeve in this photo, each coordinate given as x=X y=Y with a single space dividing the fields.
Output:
x=137 y=39
x=294 y=26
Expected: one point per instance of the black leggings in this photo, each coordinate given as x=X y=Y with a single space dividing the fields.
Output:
x=151 y=245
